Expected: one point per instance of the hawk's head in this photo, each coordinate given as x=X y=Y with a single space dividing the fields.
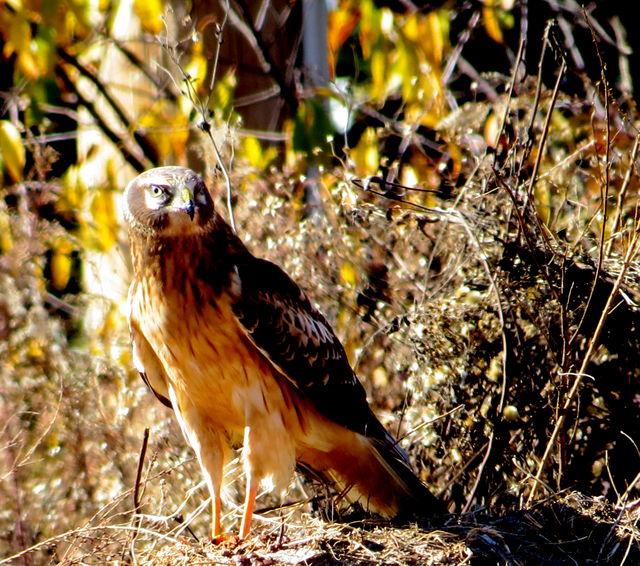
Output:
x=168 y=201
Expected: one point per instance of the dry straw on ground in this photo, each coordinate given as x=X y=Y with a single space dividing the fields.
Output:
x=494 y=322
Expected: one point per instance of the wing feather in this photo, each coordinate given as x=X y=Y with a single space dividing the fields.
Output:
x=280 y=320
x=148 y=364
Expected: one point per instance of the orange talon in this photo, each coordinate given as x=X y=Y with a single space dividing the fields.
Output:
x=226 y=540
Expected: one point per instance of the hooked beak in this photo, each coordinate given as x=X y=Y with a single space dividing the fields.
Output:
x=187 y=203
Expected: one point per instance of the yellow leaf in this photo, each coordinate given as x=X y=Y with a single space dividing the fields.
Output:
x=196 y=69
x=491 y=21
x=19 y=35
x=409 y=176
x=252 y=150
x=411 y=28
x=365 y=155
x=6 y=241
x=74 y=191
x=369 y=28
x=380 y=377
x=223 y=91
x=406 y=70
x=61 y=264
x=258 y=157
x=169 y=142
x=150 y=14
x=34 y=348
x=348 y=273
x=105 y=224
x=13 y=154
x=492 y=130
x=378 y=75
x=438 y=32
x=342 y=22
x=29 y=64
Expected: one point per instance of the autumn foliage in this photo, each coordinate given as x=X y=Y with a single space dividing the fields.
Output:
x=460 y=199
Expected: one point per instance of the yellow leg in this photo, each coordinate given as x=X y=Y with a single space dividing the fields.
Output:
x=249 y=501
x=216 y=512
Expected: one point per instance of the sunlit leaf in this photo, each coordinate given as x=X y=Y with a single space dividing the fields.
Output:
x=18 y=40
x=73 y=192
x=406 y=71
x=380 y=377
x=437 y=29
x=43 y=48
x=196 y=69
x=252 y=150
x=104 y=220
x=222 y=98
x=257 y=156
x=365 y=155
x=35 y=348
x=378 y=75
x=342 y=22
x=492 y=21
x=13 y=153
x=492 y=130
x=19 y=35
x=6 y=239
x=167 y=127
x=150 y=14
x=411 y=28
x=348 y=273
x=387 y=23
x=61 y=263
x=369 y=28
x=409 y=176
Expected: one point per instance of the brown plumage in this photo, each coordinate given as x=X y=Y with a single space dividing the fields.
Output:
x=237 y=349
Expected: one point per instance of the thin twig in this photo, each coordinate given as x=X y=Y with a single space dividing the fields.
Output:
x=137 y=489
x=79 y=532
x=140 y=65
x=272 y=69
x=144 y=144
x=138 y=163
x=541 y=146
x=604 y=195
x=622 y=195
x=137 y=503
x=476 y=483
x=204 y=125
x=512 y=84
x=219 y=29
x=429 y=422
x=591 y=348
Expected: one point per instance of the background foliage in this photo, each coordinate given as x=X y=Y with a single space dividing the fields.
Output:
x=461 y=200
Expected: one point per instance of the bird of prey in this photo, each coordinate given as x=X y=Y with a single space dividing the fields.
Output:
x=236 y=348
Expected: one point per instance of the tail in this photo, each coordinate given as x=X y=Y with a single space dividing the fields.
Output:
x=374 y=472
x=405 y=494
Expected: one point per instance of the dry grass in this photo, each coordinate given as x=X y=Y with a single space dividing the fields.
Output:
x=494 y=324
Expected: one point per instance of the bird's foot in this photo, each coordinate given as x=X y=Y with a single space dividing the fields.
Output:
x=226 y=540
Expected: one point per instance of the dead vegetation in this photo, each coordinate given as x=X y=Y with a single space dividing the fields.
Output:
x=491 y=311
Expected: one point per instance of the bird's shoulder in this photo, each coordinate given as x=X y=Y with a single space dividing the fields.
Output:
x=281 y=321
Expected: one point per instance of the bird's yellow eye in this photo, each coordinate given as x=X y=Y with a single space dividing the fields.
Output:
x=156 y=191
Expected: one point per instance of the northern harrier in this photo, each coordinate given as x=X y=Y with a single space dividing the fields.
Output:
x=237 y=349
